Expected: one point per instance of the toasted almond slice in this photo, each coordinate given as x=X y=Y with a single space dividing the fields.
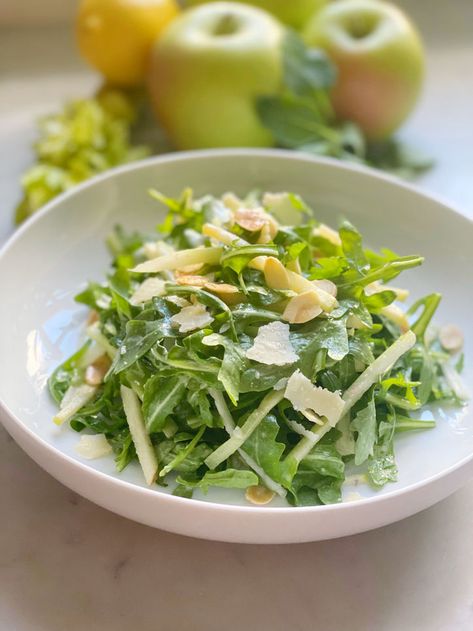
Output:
x=258 y=263
x=95 y=373
x=301 y=285
x=327 y=233
x=228 y=293
x=251 y=219
x=302 y=308
x=92 y=318
x=191 y=279
x=451 y=338
x=269 y=230
x=275 y=274
x=294 y=266
x=259 y=495
x=326 y=285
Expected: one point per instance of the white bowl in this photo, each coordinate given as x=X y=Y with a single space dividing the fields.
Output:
x=49 y=258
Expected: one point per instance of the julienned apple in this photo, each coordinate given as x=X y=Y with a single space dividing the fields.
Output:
x=380 y=62
x=206 y=71
x=295 y=13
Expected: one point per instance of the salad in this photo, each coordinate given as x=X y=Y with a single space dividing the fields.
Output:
x=247 y=345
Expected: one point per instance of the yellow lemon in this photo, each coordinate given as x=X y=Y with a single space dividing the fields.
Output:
x=115 y=36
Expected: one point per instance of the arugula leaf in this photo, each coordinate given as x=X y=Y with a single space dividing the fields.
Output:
x=141 y=336
x=161 y=395
x=263 y=447
x=229 y=479
x=327 y=334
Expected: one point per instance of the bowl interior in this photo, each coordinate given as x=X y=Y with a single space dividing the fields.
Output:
x=57 y=252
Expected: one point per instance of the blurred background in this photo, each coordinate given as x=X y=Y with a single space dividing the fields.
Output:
x=40 y=69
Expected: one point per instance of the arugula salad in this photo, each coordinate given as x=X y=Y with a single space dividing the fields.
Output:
x=247 y=345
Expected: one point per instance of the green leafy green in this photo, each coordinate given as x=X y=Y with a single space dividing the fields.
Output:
x=212 y=416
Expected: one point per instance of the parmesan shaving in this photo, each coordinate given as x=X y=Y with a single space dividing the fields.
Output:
x=312 y=401
x=191 y=318
x=93 y=446
x=272 y=345
x=150 y=288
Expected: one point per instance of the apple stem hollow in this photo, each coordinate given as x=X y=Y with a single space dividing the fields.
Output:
x=228 y=24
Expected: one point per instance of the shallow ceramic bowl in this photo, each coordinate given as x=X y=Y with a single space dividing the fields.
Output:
x=50 y=258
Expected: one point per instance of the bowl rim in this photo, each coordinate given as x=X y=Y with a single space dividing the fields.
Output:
x=9 y=418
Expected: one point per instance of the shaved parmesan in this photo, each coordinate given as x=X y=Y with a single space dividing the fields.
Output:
x=280 y=204
x=148 y=289
x=272 y=345
x=93 y=446
x=191 y=318
x=178 y=301
x=312 y=401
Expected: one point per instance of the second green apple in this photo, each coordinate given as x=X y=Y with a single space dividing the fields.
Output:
x=294 y=13
x=380 y=61
x=208 y=68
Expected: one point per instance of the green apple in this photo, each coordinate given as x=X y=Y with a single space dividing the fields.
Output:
x=207 y=69
x=380 y=61
x=295 y=13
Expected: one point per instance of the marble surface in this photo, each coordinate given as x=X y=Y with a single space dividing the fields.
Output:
x=65 y=563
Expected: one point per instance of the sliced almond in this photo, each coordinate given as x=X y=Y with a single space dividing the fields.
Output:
x=251 y=219
x=228 y=293
x=192 y=280
x=275 y=274
x=326 y=285
x=451 y=338
x=294 y=266
x=259 y=495
x=302 y=308
x=327 y=233
x=93 y=317
x=269 y=230
x=95 y=373
x=258 y=263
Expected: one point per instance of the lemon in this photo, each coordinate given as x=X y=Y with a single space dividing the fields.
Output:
x=115 y=36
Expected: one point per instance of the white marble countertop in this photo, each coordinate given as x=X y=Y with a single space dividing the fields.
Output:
x=67 y=564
